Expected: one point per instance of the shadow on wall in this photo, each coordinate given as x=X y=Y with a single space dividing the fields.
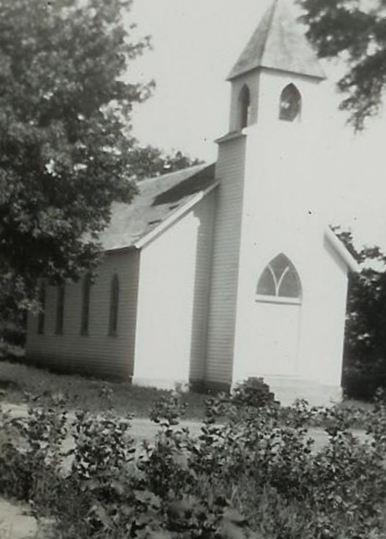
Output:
x=202 y=285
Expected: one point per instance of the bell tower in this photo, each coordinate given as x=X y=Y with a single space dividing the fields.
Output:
x=276 y=53
x=269 y=230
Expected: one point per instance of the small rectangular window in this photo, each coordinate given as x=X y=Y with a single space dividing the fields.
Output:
x=86 y=291
x=114 y=306
x=60 y=295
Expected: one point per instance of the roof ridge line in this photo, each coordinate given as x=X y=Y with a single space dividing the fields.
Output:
x=172 y=173
x=272 y=14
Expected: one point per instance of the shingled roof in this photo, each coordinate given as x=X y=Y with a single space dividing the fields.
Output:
x=159 y=200
x=277 y=43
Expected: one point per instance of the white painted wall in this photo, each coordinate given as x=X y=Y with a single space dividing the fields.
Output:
x=312 y=334
x=226 y=247
x=284 y=209
x=251 y=80
x=97 y=354
x=173 y=301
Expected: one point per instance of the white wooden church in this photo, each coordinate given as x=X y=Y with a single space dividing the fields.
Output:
x=219 y=273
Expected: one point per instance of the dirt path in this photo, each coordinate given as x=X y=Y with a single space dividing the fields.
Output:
x=143 y=429
x=15 y=522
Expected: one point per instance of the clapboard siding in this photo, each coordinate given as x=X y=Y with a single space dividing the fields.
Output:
x=202 y=283
x=97 y=354
x=225 y=265
x=173 y=300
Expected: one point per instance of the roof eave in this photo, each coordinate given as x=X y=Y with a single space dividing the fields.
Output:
x=118 y=250
x=341 y=250
x=150 y=236
x=233 y=76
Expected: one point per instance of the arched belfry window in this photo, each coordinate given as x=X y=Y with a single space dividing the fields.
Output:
x=290 y=103
x=86 y=293
x=280 y=280
x=114 y=305
x=245 y=106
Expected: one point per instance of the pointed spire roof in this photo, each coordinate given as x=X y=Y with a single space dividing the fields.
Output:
x=278 y=43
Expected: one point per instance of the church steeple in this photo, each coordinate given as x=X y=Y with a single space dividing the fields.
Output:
x=277 y=74
x=278 y=44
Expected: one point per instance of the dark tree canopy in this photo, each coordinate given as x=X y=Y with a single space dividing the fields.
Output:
x=66 y=148
x=354 y=30
x=365 y=344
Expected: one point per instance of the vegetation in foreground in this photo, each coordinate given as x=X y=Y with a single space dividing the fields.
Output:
x=254 y=475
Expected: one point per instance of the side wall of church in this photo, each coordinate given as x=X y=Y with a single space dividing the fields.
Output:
x=226 y=247
x=173 y=301
x=98 y=353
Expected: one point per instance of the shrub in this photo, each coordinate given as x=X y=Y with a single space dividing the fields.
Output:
x=253 y=472
x=253 y=392
x=31 y=454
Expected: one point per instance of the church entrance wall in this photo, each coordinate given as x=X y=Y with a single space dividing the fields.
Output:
x=277 y=332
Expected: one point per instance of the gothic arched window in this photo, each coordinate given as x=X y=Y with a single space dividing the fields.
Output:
x=114 y=305
x=280 y=279
x=245 y=106
x=86 y=292
x=290 y=103
x=60 y=294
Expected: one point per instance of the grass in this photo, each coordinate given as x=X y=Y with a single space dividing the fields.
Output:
x=19 y=383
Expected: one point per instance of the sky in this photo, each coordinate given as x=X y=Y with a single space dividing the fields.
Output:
x=194 y=46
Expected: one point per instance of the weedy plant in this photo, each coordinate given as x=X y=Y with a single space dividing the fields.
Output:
x=252 y=472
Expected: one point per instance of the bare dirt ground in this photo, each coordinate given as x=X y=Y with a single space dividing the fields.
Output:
x=16 y=522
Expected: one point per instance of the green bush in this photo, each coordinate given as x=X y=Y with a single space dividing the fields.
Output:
x=253 y=392
x=252 y=472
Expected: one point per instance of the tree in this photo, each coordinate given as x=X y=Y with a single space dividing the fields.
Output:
x=354 y=30
x=365 y=343
x=149 y=162
x=65 y=139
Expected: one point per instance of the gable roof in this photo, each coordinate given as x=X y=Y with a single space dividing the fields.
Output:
x=278 y=43
x=160 y=202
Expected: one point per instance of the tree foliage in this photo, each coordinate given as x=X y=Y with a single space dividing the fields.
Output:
x=354 y=30
x=149 y=162
x=64 y=135
x=67 y=151
x=365 y=345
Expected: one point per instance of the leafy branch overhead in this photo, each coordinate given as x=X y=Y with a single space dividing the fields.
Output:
x=355 y=31
x=67 y=150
